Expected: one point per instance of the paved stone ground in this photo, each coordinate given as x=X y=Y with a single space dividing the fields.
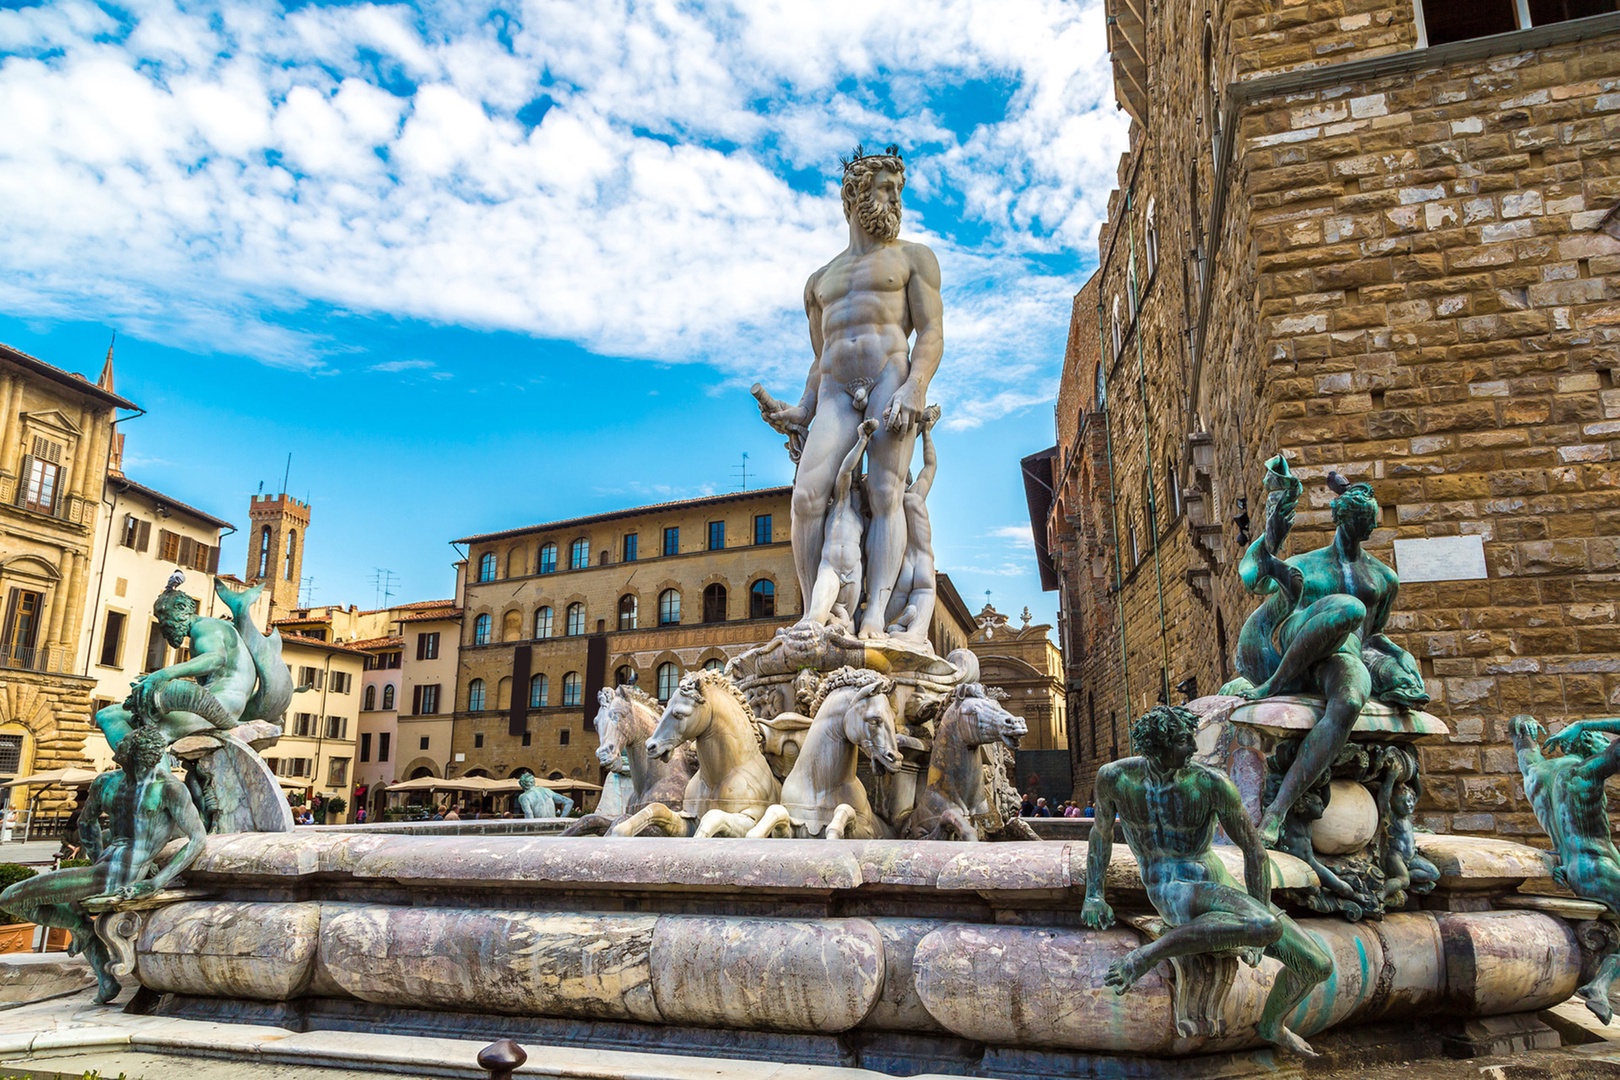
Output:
x=64 y=1038
x=33 y=853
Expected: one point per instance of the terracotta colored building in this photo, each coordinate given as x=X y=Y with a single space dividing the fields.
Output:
x=1376 y=237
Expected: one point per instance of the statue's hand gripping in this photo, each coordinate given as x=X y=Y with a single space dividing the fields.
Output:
x=1096 y=913
x=905 y=408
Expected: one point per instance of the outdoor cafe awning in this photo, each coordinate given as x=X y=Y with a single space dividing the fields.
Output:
x=69 y=777
x=486 y=785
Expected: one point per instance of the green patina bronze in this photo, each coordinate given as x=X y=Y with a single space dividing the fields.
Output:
x=234 y=674
x=146 y=807
x=1567 y=793
x=1320 y=629
x=537 y=801
x=1168 y=806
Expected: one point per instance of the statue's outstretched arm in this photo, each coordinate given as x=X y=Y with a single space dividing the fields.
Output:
x=1566 y=738
x=852 y=461
x=925 y=479
x=1099 y=850
x=1604 y=765
x=182 y=812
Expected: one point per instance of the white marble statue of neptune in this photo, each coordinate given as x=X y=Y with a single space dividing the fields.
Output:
x=863 y=308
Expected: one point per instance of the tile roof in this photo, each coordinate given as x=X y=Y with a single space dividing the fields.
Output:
x=124 y=483
x=70 y=379
x=375 y=643
x=317 y=643
x=615 y=515
x=432 y=615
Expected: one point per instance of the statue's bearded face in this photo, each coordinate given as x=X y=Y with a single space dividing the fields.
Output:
x=175 y=622
x=875 y=195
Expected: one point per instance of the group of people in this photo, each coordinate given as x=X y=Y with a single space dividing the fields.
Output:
x=1033 y=806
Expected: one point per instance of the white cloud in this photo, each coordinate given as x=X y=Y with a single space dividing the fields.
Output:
x=1018 y=535
x=202 y=171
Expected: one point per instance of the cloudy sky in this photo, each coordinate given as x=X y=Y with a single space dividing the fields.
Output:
x=481 y=266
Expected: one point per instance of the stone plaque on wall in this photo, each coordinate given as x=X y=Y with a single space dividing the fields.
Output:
x=1440 y=558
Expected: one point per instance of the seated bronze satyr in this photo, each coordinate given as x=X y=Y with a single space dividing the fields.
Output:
x=1168 y=806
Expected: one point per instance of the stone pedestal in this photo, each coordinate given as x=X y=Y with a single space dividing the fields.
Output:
x=1354 y=828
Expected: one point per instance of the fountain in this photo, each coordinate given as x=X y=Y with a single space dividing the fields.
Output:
x=755 y=899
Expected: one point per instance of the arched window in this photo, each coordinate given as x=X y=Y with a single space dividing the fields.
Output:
x=370 y=701
x=481 y=630
x=669 y=608
x=713 y=663
x=264 y=552
x=668 y=676
x=571 y=686
x=1150 y=240
x=1118 y=328
x=1102 y=388
x=542 y=623
x=623 y=675
x=292 y=553
x=1175 y=488
x=1132 y=543
x=486 y=566
x=548 y=558
x=388 y=697
x=1212 y=97
x=714 y=603
x=579 y=554
x=762 y=599
x=539 y=691
x=627 y=612
x=475 y=695
x=576 y=619
x=1150 y=511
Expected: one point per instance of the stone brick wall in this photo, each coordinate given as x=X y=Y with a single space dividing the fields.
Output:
x=1407 y=282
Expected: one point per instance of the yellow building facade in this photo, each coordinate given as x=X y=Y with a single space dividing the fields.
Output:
x=56 y=433
x=554 y=612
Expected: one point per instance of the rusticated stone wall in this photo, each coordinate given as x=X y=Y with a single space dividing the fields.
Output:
x=1408 y=281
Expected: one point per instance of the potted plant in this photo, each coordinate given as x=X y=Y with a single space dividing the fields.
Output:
x=335 y=806
x=15 y=936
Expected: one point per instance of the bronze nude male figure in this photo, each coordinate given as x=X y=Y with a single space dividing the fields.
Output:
x=1567 y=794
x=1168 y=806
x=147 y=807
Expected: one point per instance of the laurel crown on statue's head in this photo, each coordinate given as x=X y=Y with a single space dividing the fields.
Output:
x=890 y=156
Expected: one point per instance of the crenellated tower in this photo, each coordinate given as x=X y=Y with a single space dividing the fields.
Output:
x=279 y=524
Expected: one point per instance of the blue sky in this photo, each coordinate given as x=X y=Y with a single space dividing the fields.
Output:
x=477 y=267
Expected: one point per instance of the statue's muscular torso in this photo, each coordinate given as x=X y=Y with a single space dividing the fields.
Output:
x=1175 y=827
x=865 y=318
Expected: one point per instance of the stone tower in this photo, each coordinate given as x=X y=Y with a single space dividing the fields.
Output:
x=279 y=526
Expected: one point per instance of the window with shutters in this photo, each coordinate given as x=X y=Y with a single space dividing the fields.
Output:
x=20 y=634
x=383 y=739
x=337 y=727
x=131 y=532
x=427 y=646
x=342 y=682
x=305 y=724
x=168 y=546
x=365 y=746
x=425 y=699
x=112 y=639
x=42 y=475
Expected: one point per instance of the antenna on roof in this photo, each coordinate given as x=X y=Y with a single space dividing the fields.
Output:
x=307 y=596
x=741 y=472
x=383 y=580
x=287 y=473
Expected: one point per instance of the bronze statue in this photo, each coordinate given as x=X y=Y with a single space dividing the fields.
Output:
x=1320 y=629
x=1567 y=793
x=146 y=807
x=1168 y=806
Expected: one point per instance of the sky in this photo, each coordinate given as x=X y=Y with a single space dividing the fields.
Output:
x=477 y=267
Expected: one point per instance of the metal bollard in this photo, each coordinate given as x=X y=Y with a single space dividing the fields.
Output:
x=501 y=1059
